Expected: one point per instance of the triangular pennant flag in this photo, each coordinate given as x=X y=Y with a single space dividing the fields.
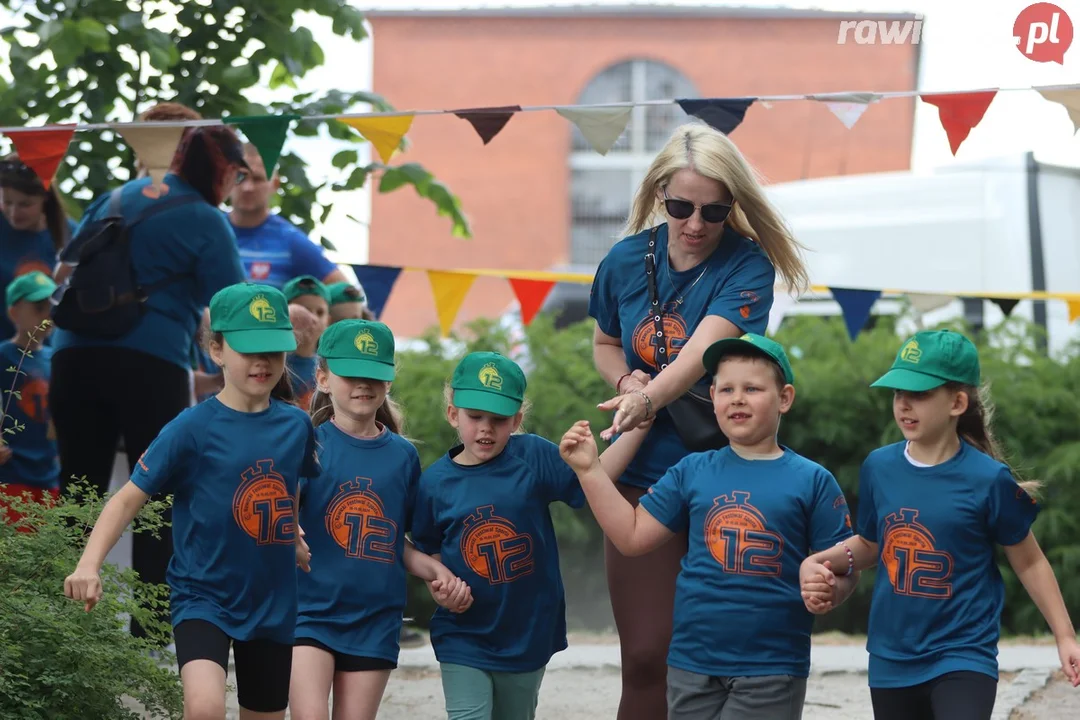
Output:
x=924 y=303
x=847 y=107
x=601 y=126
x=154 y=146
x=782 y=302
x=43 y=150
x=530 y=295
x=1069 y=99
x=267 y=133
x=959 y=113
x=450 y=289
x=1074 y=309
x=488 y=122
x=384 y=131
x=724 y=114
x=856 y=306
x=377 y=282
x=1006 y=304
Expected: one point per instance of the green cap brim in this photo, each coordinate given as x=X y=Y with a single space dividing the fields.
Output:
x=908 y=380
x=720 y=348
x=37 y=294
x=260 y=341
x=355 y=368
x=486 y=402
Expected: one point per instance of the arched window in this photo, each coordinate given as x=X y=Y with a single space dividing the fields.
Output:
x=602 y=187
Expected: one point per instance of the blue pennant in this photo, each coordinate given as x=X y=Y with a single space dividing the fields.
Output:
x=377 y=282
x=856 y=306
x=724 y=114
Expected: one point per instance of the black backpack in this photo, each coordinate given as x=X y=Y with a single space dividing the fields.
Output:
x=102 y=298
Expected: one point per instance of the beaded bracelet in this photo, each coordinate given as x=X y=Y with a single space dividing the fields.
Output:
x=850 y=558
x=648 y=403
x=618 y=385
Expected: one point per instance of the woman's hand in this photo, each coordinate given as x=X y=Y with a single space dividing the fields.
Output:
x=631 y=410
x=636 y=380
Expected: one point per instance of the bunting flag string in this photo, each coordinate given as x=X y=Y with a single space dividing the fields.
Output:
x=1074 y=310
x=847 y=107
x=267 y=133
x=1069 y=99
x=1007 y=305
x=960 y=113
x=449 y=289
x=724 y=114
x=384 y=133
x=488 y=122
x=43 y=150
x=855 y=305
x=154 y=147
x=602 y=127
x=378 y=282
x=530 y=295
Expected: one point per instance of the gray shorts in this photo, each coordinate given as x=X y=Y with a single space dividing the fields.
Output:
x=768 y=697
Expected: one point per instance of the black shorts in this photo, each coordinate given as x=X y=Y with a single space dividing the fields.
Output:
x=263 y=667
x=961 y=695
x=349 y=663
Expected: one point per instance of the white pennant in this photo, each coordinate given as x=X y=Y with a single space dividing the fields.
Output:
x=925 y=303
x=600 y=126
x=847 y=107
x=154 y=146
x=1069 y=99
x=782 y=302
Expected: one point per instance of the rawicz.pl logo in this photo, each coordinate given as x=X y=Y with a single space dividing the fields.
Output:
x=1043 y=32
x=880 y=32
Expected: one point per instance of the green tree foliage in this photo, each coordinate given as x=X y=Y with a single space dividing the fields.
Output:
x=94 y=61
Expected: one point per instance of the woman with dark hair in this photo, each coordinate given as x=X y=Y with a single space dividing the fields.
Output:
x=33 y=226
x=131 y=387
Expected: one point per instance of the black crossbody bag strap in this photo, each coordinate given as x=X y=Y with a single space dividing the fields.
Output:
x=654 y=301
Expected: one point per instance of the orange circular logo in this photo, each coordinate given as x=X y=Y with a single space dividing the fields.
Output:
x=34 y=399
x=646 y=344
x=493 y=548
x=262 y=506
x=914 y=565
x=357 y=522
x=738 y=539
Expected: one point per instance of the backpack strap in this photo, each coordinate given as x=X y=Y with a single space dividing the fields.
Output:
x=114 y=204
x=163 y=206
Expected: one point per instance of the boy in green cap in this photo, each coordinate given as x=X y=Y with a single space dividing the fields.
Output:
x=29 y=463
x=754 y=510
x=348 y=302
x=309 y=308
x=483 y=510
x=308 y=292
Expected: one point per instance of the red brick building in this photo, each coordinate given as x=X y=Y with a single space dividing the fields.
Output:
x=537 y=196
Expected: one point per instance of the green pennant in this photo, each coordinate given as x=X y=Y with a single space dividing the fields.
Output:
x=266 y=133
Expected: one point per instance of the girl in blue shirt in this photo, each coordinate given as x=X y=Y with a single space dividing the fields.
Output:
x=932 y=511
x=482 y=510
x=355 y=517
x=233 y=465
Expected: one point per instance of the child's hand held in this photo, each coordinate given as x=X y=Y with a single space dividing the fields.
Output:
x=1069 y=652
x=85 y=586
x=303 y=552
x=578 y=447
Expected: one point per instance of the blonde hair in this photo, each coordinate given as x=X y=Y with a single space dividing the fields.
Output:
x=448 y=401
x=389 y=413
x=708 y=152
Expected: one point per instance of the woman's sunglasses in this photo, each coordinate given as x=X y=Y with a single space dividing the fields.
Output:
x=683 y=209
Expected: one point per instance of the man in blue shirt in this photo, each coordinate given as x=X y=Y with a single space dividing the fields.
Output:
x=272 y=249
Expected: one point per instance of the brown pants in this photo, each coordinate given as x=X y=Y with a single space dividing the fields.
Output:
x=642 y=591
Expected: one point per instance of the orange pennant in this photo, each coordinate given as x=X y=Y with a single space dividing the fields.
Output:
x=1074 y=309
x=960 y=113
x=43 y=150
x=530 y=295
x=450 y=289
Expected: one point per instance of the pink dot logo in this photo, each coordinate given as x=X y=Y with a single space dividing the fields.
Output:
x=1043 y=32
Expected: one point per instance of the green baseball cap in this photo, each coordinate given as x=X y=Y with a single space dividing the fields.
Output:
x=253 y=318
x=359 y=349
x=755 y=344
x=305 y=285
x=343 y=292
x=32 y=286
x=489 y=382
x=931 y=358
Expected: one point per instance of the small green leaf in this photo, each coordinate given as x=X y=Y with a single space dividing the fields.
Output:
x=327 y=244
x=93 y=34
x=239 y=76
x=344 y=158
x=280 y=76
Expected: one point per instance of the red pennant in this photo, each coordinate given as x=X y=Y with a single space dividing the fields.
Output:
x=488 y=122
x=531 y=295
x=43 y=150
x=960 y=113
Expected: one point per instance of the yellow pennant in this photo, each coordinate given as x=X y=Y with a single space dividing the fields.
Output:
x=450 y=289
x=384 y=132
x=1074 y=309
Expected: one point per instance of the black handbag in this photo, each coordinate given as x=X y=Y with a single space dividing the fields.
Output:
x=691 y=413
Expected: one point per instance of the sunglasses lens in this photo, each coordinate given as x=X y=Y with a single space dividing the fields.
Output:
x=715 y=213
x=679 y=209
x=241 y=176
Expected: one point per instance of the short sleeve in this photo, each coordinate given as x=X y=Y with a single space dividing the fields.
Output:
x=412 y=485
x=1010 y=511
x=746 y=296
x=307 y=257
x=666 y=500
x=604 y=298
x=867 y=523
x=166 y=462
x=830 y=520
x=558 y=480
x=219 y=260
x=425 y=532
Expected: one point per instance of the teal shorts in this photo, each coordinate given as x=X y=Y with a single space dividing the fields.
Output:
x=473 y=694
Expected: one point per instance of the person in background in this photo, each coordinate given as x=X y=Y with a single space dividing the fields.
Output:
x=208 y=379
x=33 y=226
x=348 y=302
x=302 y=362
x=272 y=249
x=28 y=462
x=310 y=294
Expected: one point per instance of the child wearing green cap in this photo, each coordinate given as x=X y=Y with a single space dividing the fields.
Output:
x=483 y=510
x=311 y=294
x=348 y=302
x=933 y=509
x=233 y=465
x=28 y=457
x=306 y=296
x=754 y=510
x=352 y=603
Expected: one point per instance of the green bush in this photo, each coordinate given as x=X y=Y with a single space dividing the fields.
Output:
x=837 y=420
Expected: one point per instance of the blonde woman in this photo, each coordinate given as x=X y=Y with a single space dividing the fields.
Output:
x=663 y=293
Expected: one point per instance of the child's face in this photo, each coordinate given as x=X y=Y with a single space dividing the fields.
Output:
x=27 y=316
x=748 y=401
x=316 y=306
x=357 y=398
x=483 y=434
x=927 y=416
x=346 y=311
x=253 y=375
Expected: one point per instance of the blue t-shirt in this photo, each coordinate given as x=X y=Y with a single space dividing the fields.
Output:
x=938 y=595
x=192 y=240
x=355 y=516
x=276 y=251
x=492 y=526
x=34 y=460
x=21 y=252
x=735 y=283
x=302 y=376
x=234 y=477
x=738 y=607
x=204 y=363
